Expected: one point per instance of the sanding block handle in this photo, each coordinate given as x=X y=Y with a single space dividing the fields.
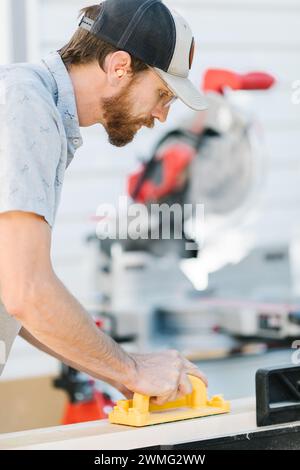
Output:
x=196 y=399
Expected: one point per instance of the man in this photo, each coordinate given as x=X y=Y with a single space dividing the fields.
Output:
x=122 y=68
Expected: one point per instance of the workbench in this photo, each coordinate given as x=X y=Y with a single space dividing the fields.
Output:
x=236 y=430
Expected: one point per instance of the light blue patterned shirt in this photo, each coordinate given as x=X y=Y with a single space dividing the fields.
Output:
x=39 y=134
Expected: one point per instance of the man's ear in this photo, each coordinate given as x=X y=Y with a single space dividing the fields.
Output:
x=118 y=67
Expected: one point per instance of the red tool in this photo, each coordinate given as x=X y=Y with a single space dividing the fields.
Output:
x=218 y=79
x=164 y=173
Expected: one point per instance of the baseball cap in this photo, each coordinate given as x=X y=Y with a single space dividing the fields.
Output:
x=155 y=34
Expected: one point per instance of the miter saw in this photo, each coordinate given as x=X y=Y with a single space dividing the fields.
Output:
x=217 y=159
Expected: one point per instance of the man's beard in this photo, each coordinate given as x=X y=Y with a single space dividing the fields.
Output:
x=119 y=124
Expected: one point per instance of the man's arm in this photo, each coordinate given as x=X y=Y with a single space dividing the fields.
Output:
x=32 y=293
x=42 y=347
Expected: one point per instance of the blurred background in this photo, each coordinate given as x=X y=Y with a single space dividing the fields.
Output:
x=232 y=305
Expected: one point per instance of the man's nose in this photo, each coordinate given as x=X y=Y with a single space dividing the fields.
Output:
x=161 y=113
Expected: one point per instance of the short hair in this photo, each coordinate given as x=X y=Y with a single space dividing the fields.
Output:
x=84 y=47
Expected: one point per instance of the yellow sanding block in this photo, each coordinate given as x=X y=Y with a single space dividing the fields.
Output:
x=140 y=412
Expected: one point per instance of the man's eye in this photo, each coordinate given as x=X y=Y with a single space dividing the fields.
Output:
x=165 y=97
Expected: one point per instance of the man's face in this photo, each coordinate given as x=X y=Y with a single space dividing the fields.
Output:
x=144 y=99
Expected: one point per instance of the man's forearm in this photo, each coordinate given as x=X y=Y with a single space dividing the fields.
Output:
x=58 y=321
x=42 y=347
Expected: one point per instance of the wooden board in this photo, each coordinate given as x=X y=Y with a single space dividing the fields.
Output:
x=101 y=435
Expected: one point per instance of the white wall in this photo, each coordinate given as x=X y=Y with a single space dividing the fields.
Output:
x=4 y=32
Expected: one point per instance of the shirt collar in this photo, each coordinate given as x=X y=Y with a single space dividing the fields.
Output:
x=66 y=102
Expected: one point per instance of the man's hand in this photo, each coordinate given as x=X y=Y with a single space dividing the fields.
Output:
x=163 y=376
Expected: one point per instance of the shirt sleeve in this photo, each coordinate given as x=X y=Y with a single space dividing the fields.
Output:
x=30 y=150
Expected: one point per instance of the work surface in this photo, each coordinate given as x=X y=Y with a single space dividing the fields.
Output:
x=101 y=435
